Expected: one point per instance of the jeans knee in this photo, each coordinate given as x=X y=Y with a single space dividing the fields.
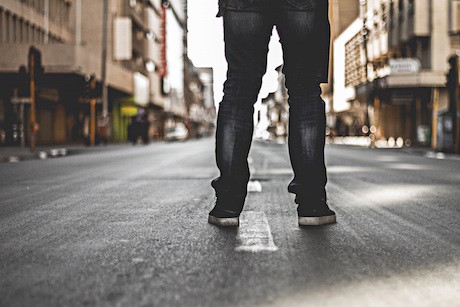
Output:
x=243 y=88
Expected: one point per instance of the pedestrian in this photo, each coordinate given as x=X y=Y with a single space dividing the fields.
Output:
x=304 y=31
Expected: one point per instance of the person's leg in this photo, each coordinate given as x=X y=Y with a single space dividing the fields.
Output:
x=299 y=31
x=246 y=33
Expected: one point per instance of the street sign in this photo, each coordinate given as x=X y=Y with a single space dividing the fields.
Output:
x=19 y=100
x=404 y=66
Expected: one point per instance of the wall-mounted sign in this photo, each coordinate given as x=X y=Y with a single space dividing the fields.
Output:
x=128 y=111
x=123 y=40
x=404 y=66
x=163 y=69
x=141 y=89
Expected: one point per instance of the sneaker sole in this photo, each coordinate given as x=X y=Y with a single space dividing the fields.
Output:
x=316 y=220
x=224 y=221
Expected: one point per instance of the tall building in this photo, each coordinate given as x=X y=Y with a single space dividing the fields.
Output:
x=392 y=76
x=143 y=47
x=341 y=14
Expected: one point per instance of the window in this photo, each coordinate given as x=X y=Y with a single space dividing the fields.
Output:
x=37 y=35
x=21 y=35
x=392 y=14
x=14 y=29
x=2 y=27
x=7 y=27
x=31 y=33
x=384 y=13
x=410 y=7
x=66 y=14
x=401 y=10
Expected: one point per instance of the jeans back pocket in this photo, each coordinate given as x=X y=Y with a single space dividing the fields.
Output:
x=303 y=4
x=238 y=4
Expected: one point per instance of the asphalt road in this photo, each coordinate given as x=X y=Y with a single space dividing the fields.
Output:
x=128 y=227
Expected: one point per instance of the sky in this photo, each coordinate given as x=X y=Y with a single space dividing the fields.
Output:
x=206 y=47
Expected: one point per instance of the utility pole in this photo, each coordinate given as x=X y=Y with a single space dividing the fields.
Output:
x=92 y=136
x=23 y=92
x=187 y=94
x=32 y=100
x=105 y=104
x=452 y=88
x=434 y=126
x=91 y=97
x=35 y=74
x=365 y=38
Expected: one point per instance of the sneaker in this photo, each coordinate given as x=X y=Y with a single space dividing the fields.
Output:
x=224 y=217
x=315 y=215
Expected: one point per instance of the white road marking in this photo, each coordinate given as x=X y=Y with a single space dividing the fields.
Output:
x=254 y=233
x=254 y=186
x=138 y=260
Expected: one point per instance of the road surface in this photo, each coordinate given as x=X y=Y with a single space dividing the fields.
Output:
x=128 y=227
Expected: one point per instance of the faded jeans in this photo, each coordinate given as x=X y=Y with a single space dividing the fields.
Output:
x=247 y=34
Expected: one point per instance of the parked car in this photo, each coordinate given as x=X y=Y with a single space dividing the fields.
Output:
x=177 y=133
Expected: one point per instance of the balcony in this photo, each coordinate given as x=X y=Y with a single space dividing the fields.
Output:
x=66 y=58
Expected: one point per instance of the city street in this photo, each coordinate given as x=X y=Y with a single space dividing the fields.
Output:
x=128 y=227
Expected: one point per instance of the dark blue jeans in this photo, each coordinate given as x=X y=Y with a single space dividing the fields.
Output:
x=248 y=27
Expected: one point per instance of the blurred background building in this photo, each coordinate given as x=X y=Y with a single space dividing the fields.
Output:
x=393 y=76
x=273 y=117
x=389 y=61
x=389 y=73
x=136 y=50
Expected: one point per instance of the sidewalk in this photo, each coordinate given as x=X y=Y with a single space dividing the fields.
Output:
x=16 y=154
x=413 y=150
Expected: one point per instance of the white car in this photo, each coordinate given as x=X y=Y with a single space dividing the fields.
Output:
x=178 y=133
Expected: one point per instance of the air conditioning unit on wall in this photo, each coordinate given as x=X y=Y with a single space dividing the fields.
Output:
x=455 y=16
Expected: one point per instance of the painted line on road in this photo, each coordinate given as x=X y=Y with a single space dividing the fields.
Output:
x=254 y=233
x=254 y=186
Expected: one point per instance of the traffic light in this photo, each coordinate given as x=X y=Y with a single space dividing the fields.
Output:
x=36 y=68
x=23 y=82
x=452 y=75
x=90 y=87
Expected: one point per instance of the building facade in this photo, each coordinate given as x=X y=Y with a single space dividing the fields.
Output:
x=393 y=76
x=341 y=14
x=137 y=55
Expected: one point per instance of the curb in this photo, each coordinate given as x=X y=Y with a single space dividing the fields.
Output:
x=39 y=154
x=427 y=153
